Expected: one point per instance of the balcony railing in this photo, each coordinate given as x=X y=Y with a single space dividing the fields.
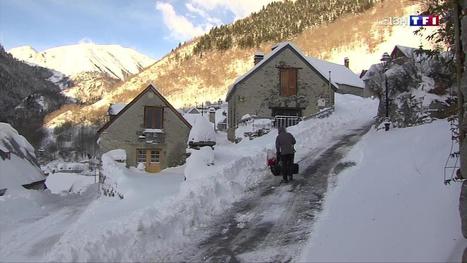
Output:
x=151 y=136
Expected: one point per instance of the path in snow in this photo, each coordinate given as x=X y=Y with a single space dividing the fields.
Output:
x=32 y=238
x=274 y=224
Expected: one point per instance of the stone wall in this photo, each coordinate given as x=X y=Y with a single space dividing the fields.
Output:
x=259 y=93
x=346 y=89
x=123 y=133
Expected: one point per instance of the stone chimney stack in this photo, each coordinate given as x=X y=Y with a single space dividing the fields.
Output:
x=258 y=57
x=346 y=62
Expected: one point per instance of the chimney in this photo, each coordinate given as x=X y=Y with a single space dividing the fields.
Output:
x=212 y=115
x=258 y=57
x=346 y=62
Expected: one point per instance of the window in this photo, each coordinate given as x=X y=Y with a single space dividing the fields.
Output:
x=153 y=117
x=155 y=156
x=143 y=154
x=140 y=156
x=288 y=80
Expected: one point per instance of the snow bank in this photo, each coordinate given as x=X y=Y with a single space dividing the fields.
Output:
x=392 y=206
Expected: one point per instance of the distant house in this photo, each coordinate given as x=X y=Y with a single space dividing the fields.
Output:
x=286 y=82
x=150 y=130
x=401 y=53
x=193 y=111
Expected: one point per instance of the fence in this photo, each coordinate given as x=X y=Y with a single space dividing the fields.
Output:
x=286 y=121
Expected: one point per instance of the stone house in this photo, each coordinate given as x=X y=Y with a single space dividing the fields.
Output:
x=401 y=54
x=286 y=82
x=150 y=130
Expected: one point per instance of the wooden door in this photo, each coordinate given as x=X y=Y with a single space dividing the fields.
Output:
x=153 y=160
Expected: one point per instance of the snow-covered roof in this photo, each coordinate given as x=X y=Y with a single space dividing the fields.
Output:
x=20 y=169
x=339 y=73
x=114 y=109
x=193 y=111
x=202 y=130
x=407 y=51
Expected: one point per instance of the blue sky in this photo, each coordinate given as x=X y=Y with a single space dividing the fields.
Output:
x=152 y=27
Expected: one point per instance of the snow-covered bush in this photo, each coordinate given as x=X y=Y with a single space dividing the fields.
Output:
x=113 y=163
x=418 y=88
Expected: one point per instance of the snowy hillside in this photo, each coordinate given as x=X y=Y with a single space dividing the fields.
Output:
x=114 y=60
x=21 y=167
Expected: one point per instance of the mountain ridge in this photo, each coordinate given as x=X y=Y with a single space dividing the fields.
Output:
x=116 y=61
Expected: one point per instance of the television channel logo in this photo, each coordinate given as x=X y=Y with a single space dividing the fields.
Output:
x=431 y=20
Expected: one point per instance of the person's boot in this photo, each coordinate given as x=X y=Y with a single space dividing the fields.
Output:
x=284 y=180
x=291 y=178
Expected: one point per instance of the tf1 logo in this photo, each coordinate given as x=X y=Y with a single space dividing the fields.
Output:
x=424 y=20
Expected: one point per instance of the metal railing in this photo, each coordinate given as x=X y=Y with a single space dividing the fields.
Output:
x=286 y=121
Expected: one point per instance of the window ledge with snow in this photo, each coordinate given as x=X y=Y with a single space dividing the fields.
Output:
x=153 y=131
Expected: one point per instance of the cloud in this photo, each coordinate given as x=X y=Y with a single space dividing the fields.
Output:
x=210 y=12
x=86 y=40
x=180 y=27
x=240 y=8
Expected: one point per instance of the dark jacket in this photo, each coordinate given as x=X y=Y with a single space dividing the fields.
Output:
x=285 y=142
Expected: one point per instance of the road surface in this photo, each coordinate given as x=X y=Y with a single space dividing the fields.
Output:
x=274 y=222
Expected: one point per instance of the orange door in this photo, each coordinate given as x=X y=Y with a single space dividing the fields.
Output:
x=153 y=160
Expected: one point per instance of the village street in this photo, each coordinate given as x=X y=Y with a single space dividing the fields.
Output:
x=274 y=223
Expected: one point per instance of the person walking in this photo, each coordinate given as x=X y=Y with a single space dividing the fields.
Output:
x=285 y=153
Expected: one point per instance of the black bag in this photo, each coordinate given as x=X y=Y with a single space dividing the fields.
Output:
x=295 y=168
x=276 y=169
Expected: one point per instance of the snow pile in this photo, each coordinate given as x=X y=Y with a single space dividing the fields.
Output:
x=66 y=182
x=202 y=130
x=197 y=162
x=114 y=60
x=392 y=206
x=22 y=167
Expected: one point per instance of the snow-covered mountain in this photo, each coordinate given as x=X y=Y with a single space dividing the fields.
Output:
x=114 y=60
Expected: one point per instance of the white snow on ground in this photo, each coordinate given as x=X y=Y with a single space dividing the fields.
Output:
x=392 y=206
x=158 y=212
